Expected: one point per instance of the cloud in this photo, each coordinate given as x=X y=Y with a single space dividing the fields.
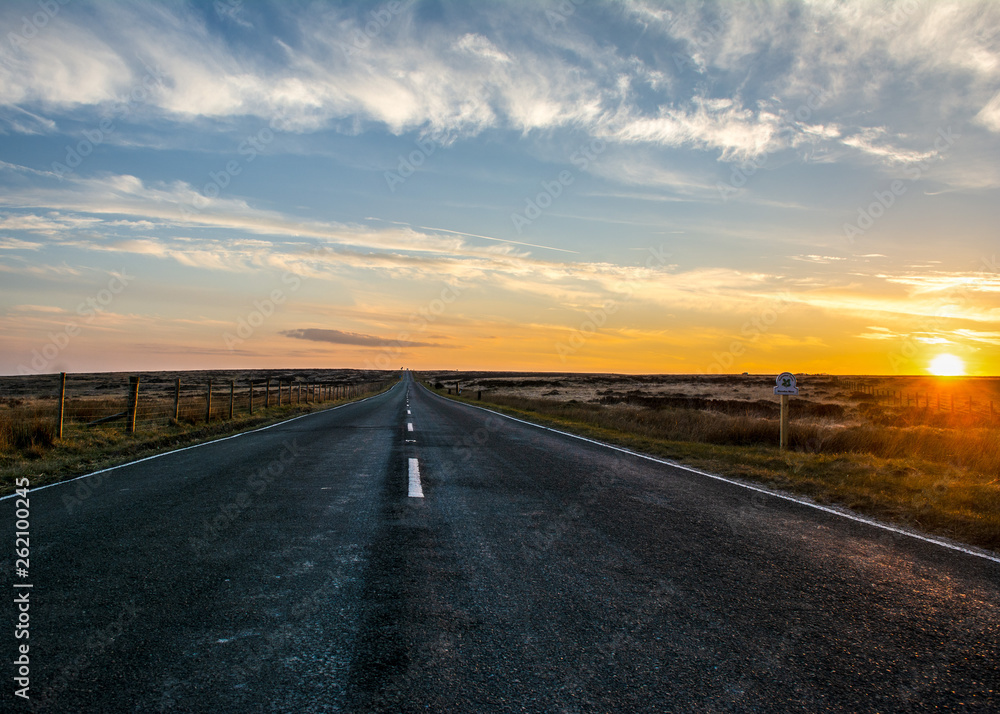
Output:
x=989 y=115
x=479 y=46
x=178 y=204
x=956 y=284
x=339 y=337
x=818 y=259
x=874 y=142
x=990 y=338
x=633 y=166
x=325 y=70
x=49 y=225
x=736 y=131
x=25 y=122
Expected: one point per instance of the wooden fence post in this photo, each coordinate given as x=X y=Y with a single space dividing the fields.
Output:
x=232 y=398
x=62 y=401
x=177 y=399
x=133 y=404
x=267 y=393
x=208 y=402
x=251 y=397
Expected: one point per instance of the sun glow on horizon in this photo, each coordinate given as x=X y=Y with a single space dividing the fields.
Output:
x=947 y=365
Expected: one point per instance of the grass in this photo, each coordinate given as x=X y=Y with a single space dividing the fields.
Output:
x=29 y=446
x=29 y=434
x=939 y=480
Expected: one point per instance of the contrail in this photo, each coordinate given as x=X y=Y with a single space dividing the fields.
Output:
x=474 y=235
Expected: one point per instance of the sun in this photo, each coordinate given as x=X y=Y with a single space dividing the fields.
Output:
x=947 y=366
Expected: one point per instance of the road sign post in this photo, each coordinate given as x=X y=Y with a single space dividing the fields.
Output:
x=785 y=386
x=784 y=423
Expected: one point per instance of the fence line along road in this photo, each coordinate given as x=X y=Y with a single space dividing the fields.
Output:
x=74 y=403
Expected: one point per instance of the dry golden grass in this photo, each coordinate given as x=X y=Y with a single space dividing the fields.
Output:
x=26 y=430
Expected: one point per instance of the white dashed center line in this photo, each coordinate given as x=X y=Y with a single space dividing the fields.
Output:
x=409 y=427
x=415 y=490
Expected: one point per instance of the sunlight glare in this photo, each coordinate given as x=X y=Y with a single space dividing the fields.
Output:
x=947 y=366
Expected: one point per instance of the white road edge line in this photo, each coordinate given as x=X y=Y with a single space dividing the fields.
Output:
x=195 y=446
x=793 y=499
x=415 y=491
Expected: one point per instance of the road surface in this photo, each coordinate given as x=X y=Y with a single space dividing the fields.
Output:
x=407 y=553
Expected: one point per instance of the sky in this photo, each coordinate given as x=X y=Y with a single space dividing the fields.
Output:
x=591 y=186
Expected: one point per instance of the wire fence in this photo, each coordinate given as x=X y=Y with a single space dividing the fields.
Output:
x=935 y=400
x=39 y=410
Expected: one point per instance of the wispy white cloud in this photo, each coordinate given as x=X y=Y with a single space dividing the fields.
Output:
x=876 y=142
x=48 y=224
x=479 y=46
x=414 y=76
x=819 y=259
x=989 y=115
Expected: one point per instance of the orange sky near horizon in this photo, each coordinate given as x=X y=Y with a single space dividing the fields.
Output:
x=641 y=187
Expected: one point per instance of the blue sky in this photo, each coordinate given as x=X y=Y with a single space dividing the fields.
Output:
x=628 y=186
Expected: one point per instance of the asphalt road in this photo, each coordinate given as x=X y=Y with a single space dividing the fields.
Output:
x=291 y=570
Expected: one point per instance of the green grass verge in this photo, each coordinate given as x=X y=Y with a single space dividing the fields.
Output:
x=931 y=496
